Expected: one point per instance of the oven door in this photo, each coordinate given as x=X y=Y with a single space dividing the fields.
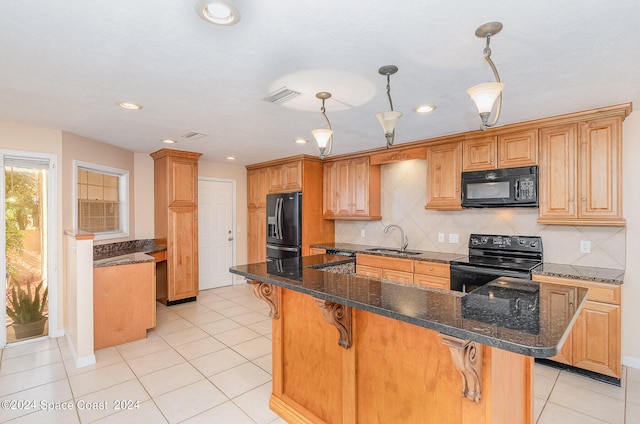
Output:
x=466 y=278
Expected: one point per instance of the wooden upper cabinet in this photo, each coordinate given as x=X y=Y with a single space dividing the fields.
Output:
x=580 y=173
x=444 y=167
x=509 y=150
x=285 y=177
x=258 y=187
x=351 y=189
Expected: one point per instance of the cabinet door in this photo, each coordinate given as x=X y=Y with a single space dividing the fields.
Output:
x=518 y=149
x=393 y=275
x=343 y=188
x=558 y=173
x=596 y=339
x=369 y=271
x=182 y=251
x=359 y=192
x=444 y=165
x=479 y=154
x=292 y=176
x=600 y=172
x=329 y=189
x=258 y=182
x=276 y=178
x=257 y=235
x=558 y=302
x=431 y=281
x=183 y=182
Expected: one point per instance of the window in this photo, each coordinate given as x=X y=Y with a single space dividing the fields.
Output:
x=102 y=197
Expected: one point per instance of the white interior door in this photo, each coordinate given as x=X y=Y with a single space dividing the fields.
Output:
x=216 y=238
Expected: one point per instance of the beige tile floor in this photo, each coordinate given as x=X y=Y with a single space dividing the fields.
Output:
x=210 y=362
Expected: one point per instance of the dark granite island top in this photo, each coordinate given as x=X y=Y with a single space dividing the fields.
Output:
x=510 y=314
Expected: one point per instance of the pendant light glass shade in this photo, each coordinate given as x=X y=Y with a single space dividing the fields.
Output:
x=322 y=137
x=388 y=120
x=484 y=95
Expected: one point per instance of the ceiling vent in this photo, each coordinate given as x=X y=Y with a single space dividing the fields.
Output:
x=281 y=95
x=192 y=135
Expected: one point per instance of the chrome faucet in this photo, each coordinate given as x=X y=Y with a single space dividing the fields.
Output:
x=404 y=242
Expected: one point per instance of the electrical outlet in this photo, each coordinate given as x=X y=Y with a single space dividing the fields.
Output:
x=362 y=233
x=585 y=246
x=441 y=237
x=453 y=238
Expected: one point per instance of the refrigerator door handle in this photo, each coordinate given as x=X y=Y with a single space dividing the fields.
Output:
x=279 y=217
x=283 y=248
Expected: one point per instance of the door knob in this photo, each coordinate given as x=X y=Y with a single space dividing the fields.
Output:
x=230 y=238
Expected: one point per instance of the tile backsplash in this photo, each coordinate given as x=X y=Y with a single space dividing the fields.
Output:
x=403 y=200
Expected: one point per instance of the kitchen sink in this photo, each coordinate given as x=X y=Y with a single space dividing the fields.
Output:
x=392 y=251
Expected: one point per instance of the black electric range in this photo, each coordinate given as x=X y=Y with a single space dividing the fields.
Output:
x=493 y=256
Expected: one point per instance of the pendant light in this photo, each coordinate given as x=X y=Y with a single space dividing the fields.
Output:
x=324 y=136
x=485 y=95
x=389 y=119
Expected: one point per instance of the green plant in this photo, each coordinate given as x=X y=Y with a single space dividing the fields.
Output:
x=24 y=308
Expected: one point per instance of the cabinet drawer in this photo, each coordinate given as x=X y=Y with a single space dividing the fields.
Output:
x=431 y=281
x=391 y=274
x=396 y=264
x=435 y=269
x=598 y=292
x=369 y=271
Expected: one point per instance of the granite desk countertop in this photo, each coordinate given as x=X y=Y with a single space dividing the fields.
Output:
x=510 y=315
x=421 y=255
x=125 y=253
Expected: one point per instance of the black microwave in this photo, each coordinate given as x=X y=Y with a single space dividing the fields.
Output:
x=506 y=187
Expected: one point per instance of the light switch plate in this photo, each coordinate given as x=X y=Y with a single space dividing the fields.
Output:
x=362 y=233
x=585 y=246
x=441 y=237
x=453 y=238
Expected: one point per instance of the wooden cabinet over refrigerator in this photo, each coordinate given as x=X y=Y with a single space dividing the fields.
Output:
x=176 y=222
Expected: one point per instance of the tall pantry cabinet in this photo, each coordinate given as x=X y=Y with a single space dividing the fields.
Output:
x=176 y=222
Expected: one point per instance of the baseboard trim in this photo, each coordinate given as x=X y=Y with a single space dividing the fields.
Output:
x=628 y=361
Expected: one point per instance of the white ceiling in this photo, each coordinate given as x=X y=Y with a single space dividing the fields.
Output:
x=64 y=64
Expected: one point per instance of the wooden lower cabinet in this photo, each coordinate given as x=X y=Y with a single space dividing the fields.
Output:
x=393 y=372
x=257 y=235
x=124 y=303
x=594 y=343
x=423 y=273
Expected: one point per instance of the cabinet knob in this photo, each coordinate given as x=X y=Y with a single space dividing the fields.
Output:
x=501 y=158
x=584 y=199
x=570 y=199
x=430 y=268
x=490 y=160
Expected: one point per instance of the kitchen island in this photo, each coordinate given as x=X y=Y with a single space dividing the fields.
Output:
x=350 y=348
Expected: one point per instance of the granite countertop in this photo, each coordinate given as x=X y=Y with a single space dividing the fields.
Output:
x=599 y=275
x=125 y=253
x=420 y=255
x=510 y=314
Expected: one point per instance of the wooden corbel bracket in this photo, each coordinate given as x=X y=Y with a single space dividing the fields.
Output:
x=268 y=293
x=340 y=317
x=467 y=357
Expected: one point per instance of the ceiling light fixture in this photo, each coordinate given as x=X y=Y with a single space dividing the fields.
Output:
x=231 y=158
x=484 y=95
x=300 y=140
x=129 y=105
x=389 y=119
x=218 y=12
x=323 y=136
x=169 y=141
x=424 y=108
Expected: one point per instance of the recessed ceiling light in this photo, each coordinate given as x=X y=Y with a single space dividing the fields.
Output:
x=218 y=12
x=300 y=140
x=169 y=141
x=231 y=158
x=129 y=105
x=425 y=108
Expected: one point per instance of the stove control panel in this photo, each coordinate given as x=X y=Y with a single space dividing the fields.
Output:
x=511 y=243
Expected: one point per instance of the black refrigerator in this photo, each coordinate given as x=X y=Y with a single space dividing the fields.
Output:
x=284 y=225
